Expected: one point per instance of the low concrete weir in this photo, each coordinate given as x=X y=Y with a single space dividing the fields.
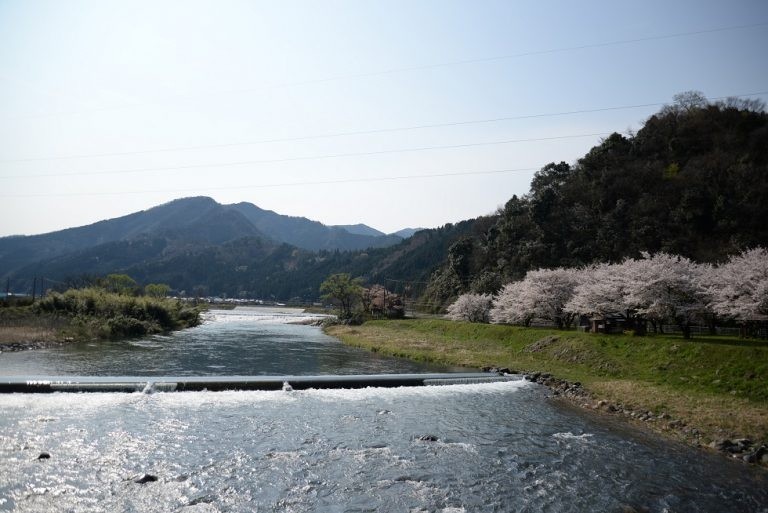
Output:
x=50 y=384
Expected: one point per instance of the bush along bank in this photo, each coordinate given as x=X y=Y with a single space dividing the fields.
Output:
x=708 y=391
x=94 y=314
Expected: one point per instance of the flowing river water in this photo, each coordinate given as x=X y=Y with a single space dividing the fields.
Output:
x=458 y=448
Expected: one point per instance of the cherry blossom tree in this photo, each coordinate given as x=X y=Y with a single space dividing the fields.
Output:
x=738 y=289
x=378 y=301
x=666 y=287
x=513 y=305
x=602 y=291
x=470 y=307
x=553 y=289
x=542 y=294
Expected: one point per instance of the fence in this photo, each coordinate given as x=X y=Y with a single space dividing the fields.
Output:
x=702 y=330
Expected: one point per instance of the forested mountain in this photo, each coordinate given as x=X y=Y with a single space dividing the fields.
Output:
x=307 y=234
x=253 y=266
x=407 y=232
x=179 y=227
x=693 y=181
x=360 y=229
x=198 y=246
x=194 y=220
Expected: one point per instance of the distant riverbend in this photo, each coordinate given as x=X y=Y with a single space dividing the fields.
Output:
x=244 y=341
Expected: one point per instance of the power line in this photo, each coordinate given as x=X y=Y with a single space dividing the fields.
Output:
x=527 y=54
x=421 y=67
x=53 y=281
x=357 y=132
x=314 y=157
x=407 y=282
x=277 y=185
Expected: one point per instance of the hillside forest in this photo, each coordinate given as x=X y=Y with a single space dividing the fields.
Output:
x=692 y=182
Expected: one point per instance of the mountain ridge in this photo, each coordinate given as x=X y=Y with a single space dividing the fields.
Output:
x=307 y=234
x=182 y=226
x=360 y=229
x=180 y=216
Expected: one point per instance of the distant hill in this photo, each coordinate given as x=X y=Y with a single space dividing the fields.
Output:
x=253 y=267
x=184 y=242
x=307 y=234
x=196 y=220
x=360 y=229
x=693 y=181
x=406 y=232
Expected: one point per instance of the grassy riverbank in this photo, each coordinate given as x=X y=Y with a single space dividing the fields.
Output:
x=717 y=387
x=91 y=314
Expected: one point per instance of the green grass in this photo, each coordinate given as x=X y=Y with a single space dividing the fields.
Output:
x=88 y=314
x=720 y=384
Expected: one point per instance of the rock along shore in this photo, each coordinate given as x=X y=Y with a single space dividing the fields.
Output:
x=11 y=347
x=742 y=449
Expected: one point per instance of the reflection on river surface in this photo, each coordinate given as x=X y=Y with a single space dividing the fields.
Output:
x=245 y=341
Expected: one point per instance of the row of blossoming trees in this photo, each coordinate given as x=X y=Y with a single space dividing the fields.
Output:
x=654 y=289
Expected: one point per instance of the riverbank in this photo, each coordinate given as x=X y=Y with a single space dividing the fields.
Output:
x=21 y=338
x=710 y=392
x=90 y=314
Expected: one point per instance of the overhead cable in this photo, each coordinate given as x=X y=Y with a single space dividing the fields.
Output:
x=274 y=185
x=356 y=132
x=313 y=157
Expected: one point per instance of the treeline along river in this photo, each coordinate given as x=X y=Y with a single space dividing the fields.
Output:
x=485 y=447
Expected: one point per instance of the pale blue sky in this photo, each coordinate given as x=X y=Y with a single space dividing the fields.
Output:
x=110 y=83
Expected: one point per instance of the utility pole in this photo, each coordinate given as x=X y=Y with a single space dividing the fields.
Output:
x=34 y=286
x=7 y=288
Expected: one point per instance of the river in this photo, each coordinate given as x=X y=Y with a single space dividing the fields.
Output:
x=245 y=341
x=460 y=448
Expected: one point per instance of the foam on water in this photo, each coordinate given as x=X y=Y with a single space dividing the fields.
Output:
x=27 y=404
x=97 y=401
x=261 y=315
x=570 y=436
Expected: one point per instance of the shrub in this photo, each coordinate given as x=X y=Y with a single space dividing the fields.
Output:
x=95 y=313
x=122 y=326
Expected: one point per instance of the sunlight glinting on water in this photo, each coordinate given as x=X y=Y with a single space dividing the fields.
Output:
x=493 y=447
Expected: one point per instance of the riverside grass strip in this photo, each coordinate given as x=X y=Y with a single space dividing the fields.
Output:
x=717 y=387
